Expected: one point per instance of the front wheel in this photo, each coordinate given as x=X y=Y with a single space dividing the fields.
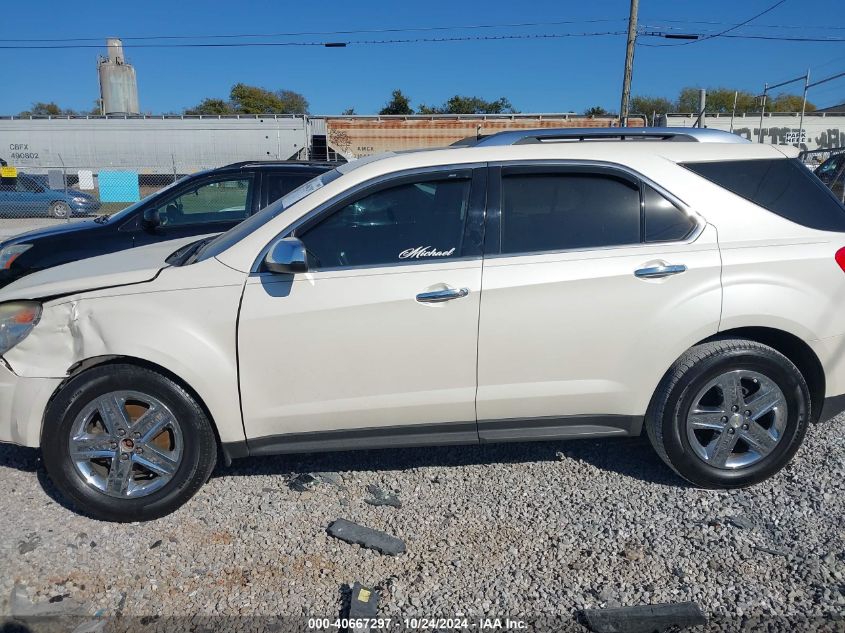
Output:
x=125 y=443
x=729 y=413
x=59 y=210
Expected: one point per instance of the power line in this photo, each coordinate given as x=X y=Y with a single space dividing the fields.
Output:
x=418 y=30
x=787 y=38
x=303 y=33
x=467 y=38
x=417 y=40
x=756 y=26
x=739 y=36
x=725 y=32
x=815 y=67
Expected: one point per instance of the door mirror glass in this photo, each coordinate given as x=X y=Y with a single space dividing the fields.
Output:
x=288 y=255
x=150 y=219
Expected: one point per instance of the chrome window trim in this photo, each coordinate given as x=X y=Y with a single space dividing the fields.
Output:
x=402 y=264
x=352 y=191
x=701 y=223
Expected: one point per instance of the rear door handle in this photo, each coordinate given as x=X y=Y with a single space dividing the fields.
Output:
x=658 y=272
x=439 y=296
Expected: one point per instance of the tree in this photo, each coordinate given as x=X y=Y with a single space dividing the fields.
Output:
x=788 y=103
x=39 y=108
x=398 y=104
x=348 y=112
x=722 y=100
x=291 y=102
x=247 y=99
x=718 y=100
x=212 y=107
x=650 y=105
x=95 y=109
x=596 y=111
x=460 y=104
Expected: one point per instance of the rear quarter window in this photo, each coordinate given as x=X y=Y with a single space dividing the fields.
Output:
x=783 y=186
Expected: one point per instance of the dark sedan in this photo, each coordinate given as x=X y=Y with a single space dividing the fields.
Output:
x=207 y=202
x=832 y=173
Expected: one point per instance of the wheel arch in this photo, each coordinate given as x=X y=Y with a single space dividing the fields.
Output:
x=791 y=346
x=113 y=359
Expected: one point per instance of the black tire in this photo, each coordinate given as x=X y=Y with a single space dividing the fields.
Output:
x=199 y=453
x=667 y=416
x=59 y=210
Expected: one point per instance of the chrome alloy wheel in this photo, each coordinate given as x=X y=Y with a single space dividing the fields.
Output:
x=126 y=444
x=737 y=419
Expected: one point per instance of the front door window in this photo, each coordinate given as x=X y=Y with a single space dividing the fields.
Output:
x=412 y=222
x=218 y=201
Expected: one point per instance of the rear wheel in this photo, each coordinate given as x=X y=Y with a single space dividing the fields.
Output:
x=59 y=210
x=126 y=443
x=729 y=413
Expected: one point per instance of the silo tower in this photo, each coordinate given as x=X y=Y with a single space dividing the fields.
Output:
x=118 y=85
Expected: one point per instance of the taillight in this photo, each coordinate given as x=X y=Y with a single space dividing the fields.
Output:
x=840 y=258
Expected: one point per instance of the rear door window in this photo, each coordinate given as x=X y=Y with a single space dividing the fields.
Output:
x=783 y=186
x=280 y=184
x=562 y=211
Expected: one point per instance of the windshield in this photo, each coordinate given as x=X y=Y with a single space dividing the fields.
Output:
x=123 y=213
x=237 y=233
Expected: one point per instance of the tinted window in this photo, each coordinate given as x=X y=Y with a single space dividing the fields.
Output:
x=280 y=184
x=28 y=185
x=831 y=165
x=557 y=211
x=272 y=210
x=782 y=186
x=218 y=201
x=421 y=221
x=664 y=222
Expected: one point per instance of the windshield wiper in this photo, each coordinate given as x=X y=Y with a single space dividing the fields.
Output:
x=184 y=255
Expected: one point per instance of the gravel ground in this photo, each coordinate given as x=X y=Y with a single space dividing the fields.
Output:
x=521 y=530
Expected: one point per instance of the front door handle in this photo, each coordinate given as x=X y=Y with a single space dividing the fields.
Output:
x=439 y=296
x=658 y=272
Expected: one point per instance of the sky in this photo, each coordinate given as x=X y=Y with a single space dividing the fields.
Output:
x=563 y=74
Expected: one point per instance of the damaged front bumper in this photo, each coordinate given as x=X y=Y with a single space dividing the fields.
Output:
x=22 y=405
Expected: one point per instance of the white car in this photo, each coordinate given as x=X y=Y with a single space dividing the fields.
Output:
x=523 y=287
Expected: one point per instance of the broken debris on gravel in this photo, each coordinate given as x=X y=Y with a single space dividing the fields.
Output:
x=379 y=497
x=644 y=618
x=308 y=481
x=363 y=606
x=366 y=537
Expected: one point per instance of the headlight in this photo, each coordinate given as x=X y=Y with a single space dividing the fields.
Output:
x=10 y=253
x=17 y=318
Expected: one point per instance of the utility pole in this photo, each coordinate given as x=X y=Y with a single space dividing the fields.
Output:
x=803 y=110
x=629 y=64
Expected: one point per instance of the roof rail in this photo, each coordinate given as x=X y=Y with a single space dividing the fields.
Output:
x=301 y=163
x=561 y=135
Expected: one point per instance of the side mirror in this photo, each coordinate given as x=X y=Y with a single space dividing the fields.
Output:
x=288 y=255
x=150 y=219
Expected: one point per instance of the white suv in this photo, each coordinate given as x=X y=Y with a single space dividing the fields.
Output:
x=520 y=288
